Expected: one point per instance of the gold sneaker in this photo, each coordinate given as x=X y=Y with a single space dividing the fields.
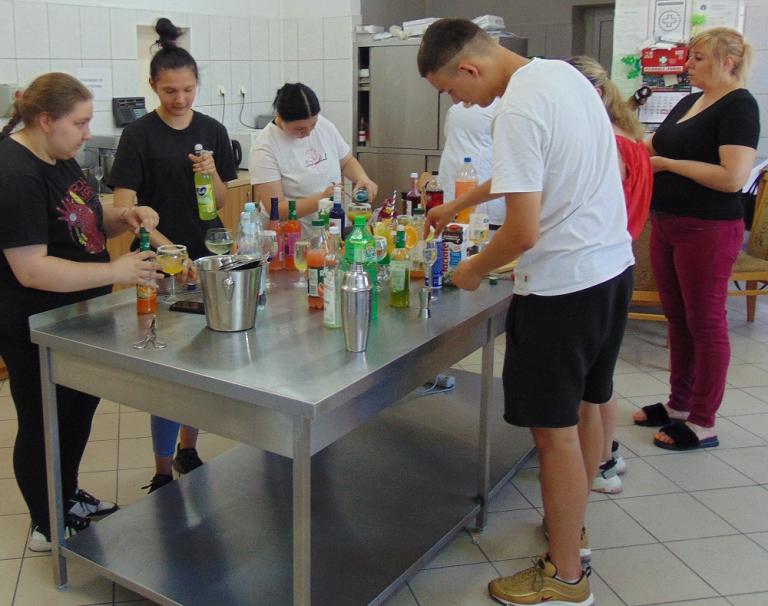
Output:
x=538 y=585
x=585 y=551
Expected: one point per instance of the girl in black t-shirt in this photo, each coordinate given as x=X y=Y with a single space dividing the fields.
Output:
x=702 y=155
x=155 y=164
x=53 y=237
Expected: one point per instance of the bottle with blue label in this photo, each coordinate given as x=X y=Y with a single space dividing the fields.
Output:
x=206 y=198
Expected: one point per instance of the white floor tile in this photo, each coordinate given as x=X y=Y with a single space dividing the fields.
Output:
x=104 y=427
x=8 y=432
x=626 y=409
x=740 y=402
x=757 y=424
x=403 y=597
x=509 y=498
x=638 y=384
x=6 y=463
x=527 y=482
x=620 y=569
x=458 y=586
x=745 y=508
x=733 y=435
x=513 y=534
x=135 y=453
x=13 y=536
x=134 y=425
x=625 y=365
x=643 y=480
x=130 y=482
x=731 y=564
x=11 y=501
x=7 y=409
x=747 y=375
x=610 y=526
x=756 y=599
x=106 y=408
x=604 y=595
x=698 y=471
x=675 y=517
x=761 y=538
x=638 y=439
x=36 y=587
x=100 y=456
x=761 y=393
x=9 y=574
x=461 y=551
x=648 y=360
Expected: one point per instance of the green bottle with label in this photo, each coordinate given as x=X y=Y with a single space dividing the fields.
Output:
x=206 y=198
x=400 y=272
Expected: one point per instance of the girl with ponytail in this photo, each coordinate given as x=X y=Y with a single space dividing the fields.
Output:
x=154 y=164
x=53 y=237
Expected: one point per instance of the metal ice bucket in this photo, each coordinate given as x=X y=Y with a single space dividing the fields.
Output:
x=230 y=297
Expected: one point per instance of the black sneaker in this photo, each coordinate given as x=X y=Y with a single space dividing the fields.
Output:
x=85 y=505
x=40 y=538
x=186 y=460
x=158 y=481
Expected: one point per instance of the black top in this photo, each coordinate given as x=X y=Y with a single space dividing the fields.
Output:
x=50 y=204
x=152 y=160
x=732 y=120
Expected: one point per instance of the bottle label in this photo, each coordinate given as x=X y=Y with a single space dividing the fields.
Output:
x=314 y=281
x=370 y=252
x=329 y=298
x=398 y=272
x=290 y=243
x=337 y=223
x=205 y=202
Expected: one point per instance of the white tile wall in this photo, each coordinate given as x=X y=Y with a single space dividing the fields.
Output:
x=340 y=113
x=260 y=39
x=290 y=71
x=276 y=79
x=95 y=36
x=64 y=31
x=261 y=87
x=311 y=74
x=7 y=32
x=241 y=76
x=203 y=96
x=338 y=79
x=221 y=75
x=275 y=37
x=239 y=39
x=29 y=69
x=290 y=40
x=219 y=38
x=123 y=33
x=125 y=74
x=310 y=39
x=200 y=36
x=337 y=38
x=31 y=17
x=68 y=66
x=8 y=70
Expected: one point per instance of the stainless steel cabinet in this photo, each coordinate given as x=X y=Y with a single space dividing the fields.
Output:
x=403 y=105
x=391 y=170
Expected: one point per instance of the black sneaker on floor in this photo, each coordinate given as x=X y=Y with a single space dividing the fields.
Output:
x=186 y=460
x=158 y=481
x=40 y=538
x=85 y=505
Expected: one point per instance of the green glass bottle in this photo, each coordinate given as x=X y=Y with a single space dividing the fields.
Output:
x=206 y=198
x=400 y=272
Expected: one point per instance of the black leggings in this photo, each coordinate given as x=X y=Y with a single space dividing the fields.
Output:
x=76 y=410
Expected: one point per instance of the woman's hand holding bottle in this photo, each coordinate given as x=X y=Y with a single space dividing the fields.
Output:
x=135 y=268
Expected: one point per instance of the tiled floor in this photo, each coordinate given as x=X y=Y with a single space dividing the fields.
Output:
x=688 y=529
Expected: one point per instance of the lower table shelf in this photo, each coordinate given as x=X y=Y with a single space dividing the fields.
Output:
x=385 y=498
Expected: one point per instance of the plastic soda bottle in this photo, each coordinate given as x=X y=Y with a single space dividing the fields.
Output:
x=146 y=295
x=278 y=260
x=400 y=272
x=291 y=233
x=332 y=281
x=413 y=196
x=434 y=191
x=249 y=231
x=361 y=242
x=316 y=253
x=206 y=198
x=466 y=181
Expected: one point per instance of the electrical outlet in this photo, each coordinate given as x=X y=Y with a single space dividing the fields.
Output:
x=222 y=91
x=243 y=91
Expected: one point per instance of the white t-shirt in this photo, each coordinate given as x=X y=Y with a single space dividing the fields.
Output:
x=551 y=134
x=468 y=133
x=304 y=166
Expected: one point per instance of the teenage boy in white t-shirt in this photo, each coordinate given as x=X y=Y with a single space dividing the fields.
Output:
x=554 y=160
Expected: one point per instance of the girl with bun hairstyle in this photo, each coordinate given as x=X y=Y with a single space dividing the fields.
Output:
x=53 y=237
x=155 y=164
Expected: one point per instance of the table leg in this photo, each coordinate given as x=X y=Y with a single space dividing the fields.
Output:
x=484 y=442
x=53 y=467
x=302 y=512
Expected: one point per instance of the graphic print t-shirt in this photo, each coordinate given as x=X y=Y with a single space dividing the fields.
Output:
x=50 y=204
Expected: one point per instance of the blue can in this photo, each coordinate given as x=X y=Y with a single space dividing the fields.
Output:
x=435 y=280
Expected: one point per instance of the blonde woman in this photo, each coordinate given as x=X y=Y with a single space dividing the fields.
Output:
x=637 y=180
x=701 y=155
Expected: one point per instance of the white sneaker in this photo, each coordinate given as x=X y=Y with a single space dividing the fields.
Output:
x=84 y=505
x=607 y=479
x=40 y=539
x=621 y=464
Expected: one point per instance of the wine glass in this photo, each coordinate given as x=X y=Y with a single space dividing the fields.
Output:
x=268 y=241
x=381 y=246
x=219 y=240
x=98 y=174
x=300 y=261
x=428 y=257
x=171 y=258
x=479 y=229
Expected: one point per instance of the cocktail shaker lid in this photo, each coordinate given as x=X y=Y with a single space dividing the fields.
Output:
x=356 y=279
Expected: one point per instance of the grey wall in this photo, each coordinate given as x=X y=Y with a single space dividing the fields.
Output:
x=390 y=12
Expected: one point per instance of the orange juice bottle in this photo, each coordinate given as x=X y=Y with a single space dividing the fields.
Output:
x=465 y=181
x=146 y=295
x=318 y=250
x=291 y=234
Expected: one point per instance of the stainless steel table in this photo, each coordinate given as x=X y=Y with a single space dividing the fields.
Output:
x=290 y=388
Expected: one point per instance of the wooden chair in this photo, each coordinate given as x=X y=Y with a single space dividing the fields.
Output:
x=751 y=267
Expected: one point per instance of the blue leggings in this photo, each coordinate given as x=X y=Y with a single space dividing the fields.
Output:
x=164 y=434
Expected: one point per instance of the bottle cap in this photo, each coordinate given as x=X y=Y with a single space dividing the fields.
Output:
x=418 y=210
x=318 y=222
x=467 y=159
x=249 y=207
x=198 y=147
x=434 y=173
x=414 y=175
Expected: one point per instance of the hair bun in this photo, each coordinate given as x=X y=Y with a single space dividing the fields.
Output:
x=167 y=31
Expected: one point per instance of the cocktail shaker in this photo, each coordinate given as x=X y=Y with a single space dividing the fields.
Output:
x=356 y=297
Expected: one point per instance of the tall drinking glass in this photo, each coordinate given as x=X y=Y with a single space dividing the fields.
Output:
x=428 y=257
x=381 y=246
x=98 y=174
x=300 y=261
x=269 y=249
x=219 y=240
x=171 y=258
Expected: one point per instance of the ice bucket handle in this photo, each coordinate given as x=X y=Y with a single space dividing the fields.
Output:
x=229 y=288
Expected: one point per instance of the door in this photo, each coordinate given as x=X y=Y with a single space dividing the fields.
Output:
x=403 y=105
x=391 y=171
x=598 y=39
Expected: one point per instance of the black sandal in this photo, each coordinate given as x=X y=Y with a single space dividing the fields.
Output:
x=656 y=415
x=684 y=438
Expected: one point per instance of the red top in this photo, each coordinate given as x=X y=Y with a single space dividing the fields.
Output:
x=638 y=184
